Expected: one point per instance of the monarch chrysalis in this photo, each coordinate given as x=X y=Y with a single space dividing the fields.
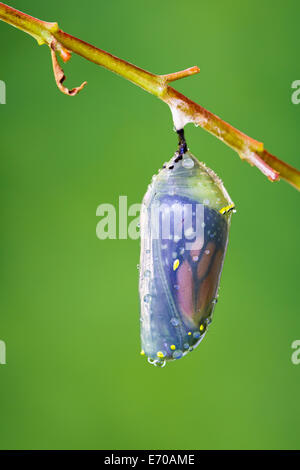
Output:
x=185 y=221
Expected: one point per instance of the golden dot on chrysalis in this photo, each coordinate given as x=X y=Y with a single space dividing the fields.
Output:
x=175 y=264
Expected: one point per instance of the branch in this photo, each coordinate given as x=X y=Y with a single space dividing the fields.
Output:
x=183 y=109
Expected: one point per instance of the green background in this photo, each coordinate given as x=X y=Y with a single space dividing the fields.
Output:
x=69 y=302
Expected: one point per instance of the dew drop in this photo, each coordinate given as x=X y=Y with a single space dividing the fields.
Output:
x=174 y=321
x=177 y=354
x=188 y=163
x=161 y=364
x=147 y=298
x=156 y=362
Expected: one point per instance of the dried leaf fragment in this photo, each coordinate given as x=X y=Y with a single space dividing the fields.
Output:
x=60 y=75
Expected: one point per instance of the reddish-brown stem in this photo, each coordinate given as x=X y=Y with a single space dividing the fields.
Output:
x=183 y=109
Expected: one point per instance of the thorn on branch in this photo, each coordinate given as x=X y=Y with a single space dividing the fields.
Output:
x=64 y=53
x=171 y=77
x=59 y=73
x=256 y=160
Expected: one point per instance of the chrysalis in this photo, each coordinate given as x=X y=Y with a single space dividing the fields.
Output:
x=185 y=221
